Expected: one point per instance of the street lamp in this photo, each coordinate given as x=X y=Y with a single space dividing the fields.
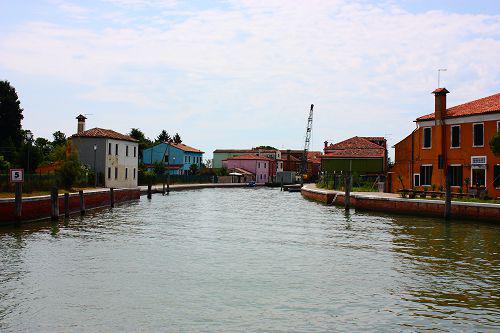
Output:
x=95 y=170
x=29 y=138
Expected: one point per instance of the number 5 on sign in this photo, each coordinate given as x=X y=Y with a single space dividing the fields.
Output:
x=16 y=175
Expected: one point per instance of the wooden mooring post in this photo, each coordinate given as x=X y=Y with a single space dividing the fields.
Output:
x=447 y=200
x=82 y=202
x=112 y=197
x=54 y=204
x=149 y=191
x=66 y=205
x=347 y=191
x=18 y=202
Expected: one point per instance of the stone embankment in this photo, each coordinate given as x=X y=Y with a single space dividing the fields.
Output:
x=392 y=203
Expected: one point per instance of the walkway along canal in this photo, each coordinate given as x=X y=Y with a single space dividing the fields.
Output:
x=391 y=203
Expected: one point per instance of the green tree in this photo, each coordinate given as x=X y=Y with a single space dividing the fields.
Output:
x=265 y=148
x=59 y=139
x=193 y=169
x=144 y=142
x=4 y=165
x=69 y=171
x=495 y=144
x=177 y=138
x=11 y=114
x=163 y=137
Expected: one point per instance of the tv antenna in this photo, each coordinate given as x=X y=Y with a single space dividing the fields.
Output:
x=439 y=75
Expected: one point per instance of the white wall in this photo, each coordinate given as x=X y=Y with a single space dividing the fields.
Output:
x=124 y=164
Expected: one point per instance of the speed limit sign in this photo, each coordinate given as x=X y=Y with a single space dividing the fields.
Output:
x=16 y=175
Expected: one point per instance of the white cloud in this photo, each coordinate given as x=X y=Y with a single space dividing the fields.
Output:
x=261 y=63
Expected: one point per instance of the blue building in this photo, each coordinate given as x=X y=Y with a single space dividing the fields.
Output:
x=178 y=156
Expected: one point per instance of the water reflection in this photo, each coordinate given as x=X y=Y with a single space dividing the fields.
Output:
x=240 y=260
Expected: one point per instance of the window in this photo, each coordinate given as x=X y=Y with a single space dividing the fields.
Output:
x=134 y=169
x=498 y=126
x=427 y=137
x=126 y=151
x=126 y=173
x=135 y=153
x=478 y=135
x=426 y=175
x=258 y=165
x=456 y=172
x=478 y=177
x=455 y=136
x=116 y=173
x=416 y=179
x=109 y=172
x=496 y=174
x=109 y=148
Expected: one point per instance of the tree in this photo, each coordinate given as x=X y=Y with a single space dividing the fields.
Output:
x=69 y=170
x=193 y=169
x=11 y=114
x=177 y=138
x=4 y=165
x=495 y=144
x=163 y=137
x=59 y=139
x=144 y=142
x=208 y=163
x=266 y=148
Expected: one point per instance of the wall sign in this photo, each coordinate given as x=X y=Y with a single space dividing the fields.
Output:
x=16 y=175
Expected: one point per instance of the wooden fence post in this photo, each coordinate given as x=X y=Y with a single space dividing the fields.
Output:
x=54 y=200
x=18 y=202
x=112 y=197
x=82 y=202
x=66 y=205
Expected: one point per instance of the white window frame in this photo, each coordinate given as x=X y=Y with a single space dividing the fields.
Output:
x=474 y=135
x=426 y=165
x=459 y=137
x=414 y=182
x=423 y=137
x=498 y=126
x=496 y=187
x=458 y=165
x=485 y=176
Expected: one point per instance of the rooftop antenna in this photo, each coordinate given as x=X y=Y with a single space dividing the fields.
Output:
x=439 y=75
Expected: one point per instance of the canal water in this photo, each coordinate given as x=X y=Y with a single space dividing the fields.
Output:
x=248 y=260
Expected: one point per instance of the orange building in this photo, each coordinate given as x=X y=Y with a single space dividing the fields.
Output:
x=454 y=140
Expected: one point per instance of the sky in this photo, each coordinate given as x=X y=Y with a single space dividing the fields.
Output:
x=239 y=73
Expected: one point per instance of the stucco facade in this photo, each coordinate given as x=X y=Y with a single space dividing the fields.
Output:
x=178 y=156
x=257 y=165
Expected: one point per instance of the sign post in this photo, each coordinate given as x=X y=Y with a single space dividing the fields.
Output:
x=17 y=177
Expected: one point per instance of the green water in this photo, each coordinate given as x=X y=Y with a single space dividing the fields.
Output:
x=248 y=260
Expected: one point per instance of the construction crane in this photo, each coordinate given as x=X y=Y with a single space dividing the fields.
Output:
x=303 y=166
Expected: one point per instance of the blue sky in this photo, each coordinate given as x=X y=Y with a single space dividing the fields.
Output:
x=236 y=74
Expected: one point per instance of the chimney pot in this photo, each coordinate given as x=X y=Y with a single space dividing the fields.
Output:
x=81 y=124
x=440 y=104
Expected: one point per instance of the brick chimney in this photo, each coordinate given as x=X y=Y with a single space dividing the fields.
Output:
x=81 y=124
x=440 y=104
x=326 y=144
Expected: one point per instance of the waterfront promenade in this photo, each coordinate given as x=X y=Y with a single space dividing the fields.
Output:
x=393 y=203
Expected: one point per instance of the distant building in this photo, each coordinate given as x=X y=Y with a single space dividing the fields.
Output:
x=276 y=163
x=112 y=154
x=177 y=157
x=257 y=165
x=451 y=140
x=292 y=161
x=360 y=155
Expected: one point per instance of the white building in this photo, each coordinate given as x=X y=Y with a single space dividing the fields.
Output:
x=112 y=154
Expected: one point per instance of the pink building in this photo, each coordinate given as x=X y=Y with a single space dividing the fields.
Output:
x=258 y=165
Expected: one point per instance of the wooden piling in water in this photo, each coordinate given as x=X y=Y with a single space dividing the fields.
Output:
x=112 y=197
x=18 y=202
x=149 y=191
x=447 y=200
x=54 y=204
x=347 y=191
x=66 y=205
x=82 y=202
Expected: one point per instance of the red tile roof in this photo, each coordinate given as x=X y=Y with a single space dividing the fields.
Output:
x=103 y=133
x=356 y=147
x=183 y=147
x=490 y=104
x=249 y=157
